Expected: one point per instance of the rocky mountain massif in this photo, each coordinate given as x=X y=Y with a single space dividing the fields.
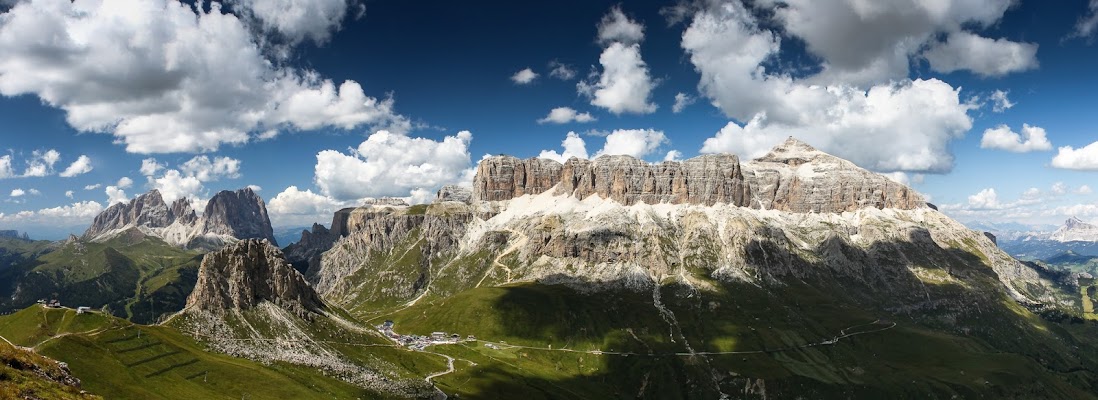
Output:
x=796 y=275
x=699 y=250
x=228 y=216
x=248 y=297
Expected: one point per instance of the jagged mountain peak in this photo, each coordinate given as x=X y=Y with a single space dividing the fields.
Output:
x=1076 y=230
x=228 y=216
x=244 y=274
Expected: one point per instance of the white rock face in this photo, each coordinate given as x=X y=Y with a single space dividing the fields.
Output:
x=793 y=177
x=1075 y=230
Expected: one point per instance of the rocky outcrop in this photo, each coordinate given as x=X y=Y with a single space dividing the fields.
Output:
x=240 y=214
x=148 y=210
x=1075 y=230
x=247 y=273
x=796 y=177
x=454 y=193
x=433 y=233
x=229 y=216
x=707 y=180
x=9 y=234
x=793 y=177
x=305 y=253
x=506 y=177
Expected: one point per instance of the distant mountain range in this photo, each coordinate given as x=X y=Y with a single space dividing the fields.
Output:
x=1040 y=242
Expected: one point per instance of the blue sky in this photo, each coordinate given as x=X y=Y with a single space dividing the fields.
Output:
x=290 y=95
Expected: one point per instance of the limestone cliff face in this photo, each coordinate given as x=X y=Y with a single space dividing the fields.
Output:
x=247 y=273
x=794 y=177
x=506 y=177
x=421 y=235
x=706 y=180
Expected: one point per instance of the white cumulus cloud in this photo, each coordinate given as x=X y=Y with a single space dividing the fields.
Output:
x=573 y=145
x=17 y=192
x=524 y=77
x=297 y=20
x=205 y=170
x=41 y=162
x=899 y=126
x=625 y=85
x=983 y=56
x=81 y=166
x=1032 y=138
x=163 y=76
x=393 y=164
x=301 y=207
x=1000 y=102
x=564 y=115
x=561 y=71
x=638 y=143
x=682 y=100
x=1083 y=158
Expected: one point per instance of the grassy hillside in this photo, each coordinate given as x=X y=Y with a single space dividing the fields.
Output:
x=120 y=360
x=26 y=375
x=775 y=343
x=131 y=276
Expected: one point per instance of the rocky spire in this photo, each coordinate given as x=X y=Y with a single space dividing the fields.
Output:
x=246 y=273
x=240 y=214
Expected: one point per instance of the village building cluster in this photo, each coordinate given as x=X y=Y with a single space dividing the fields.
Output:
x=418 y=342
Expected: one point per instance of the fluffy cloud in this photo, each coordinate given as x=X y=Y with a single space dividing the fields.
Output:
x=1059 y=188
x=1000 y=102
x=561 y=71
x=6 y=170
x=865 y=43
x=524 y=77
x=185 y=180
x=124 y=182
x=564 y=115
x=673 y=155
x=392 y=164
x=150 y=166
x=1086 y=25
x=41 y=162
x=1032 y=138
x=93 y=187
x=985 y=199
x=115 y=195
x=297 y=20
x=682 y=100
x=983 y=56
x=175 y=185
x=617 y=27
x=205 y=170
x=163 y=76
x=1085 y=189
x=1083 y=158
x=899 y=126
x=70 y=194
x=299 y=207
x=17 y=192
x=638 y=143
x=624 y=85
x=573 y=145
x=81 y=166
x=79 y=213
